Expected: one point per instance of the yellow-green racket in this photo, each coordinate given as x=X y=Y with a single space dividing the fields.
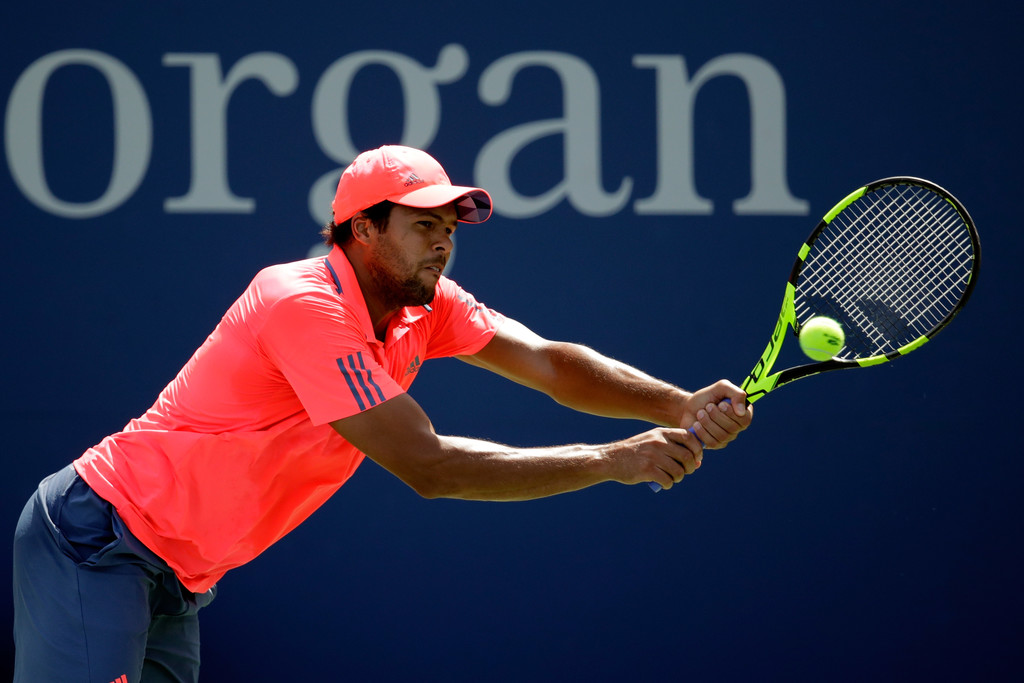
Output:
x=893 y=263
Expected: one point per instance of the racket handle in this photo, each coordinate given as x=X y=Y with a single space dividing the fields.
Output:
x=655 y=486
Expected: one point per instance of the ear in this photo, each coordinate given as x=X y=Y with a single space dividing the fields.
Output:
x=361 y=227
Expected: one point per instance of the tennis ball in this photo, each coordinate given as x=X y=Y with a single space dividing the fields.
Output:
x=821 y=338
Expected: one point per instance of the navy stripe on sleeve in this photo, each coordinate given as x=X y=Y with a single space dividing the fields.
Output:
x=367 y=394
x=352 y=387
x=369 y=378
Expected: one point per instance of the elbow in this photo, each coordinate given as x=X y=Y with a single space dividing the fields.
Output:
x=428 y=490
x=432 y=471
x=430 y=486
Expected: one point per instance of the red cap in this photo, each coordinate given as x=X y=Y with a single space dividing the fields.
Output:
x=408 y=177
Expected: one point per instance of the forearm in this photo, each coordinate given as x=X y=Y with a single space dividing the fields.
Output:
x=587 y=381
x=581 y=378
x=398 y=436
x=480 y=470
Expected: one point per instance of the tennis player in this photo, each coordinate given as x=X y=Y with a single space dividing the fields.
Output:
x=305 y=375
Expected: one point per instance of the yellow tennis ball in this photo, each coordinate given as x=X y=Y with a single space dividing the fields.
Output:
x=821 y=338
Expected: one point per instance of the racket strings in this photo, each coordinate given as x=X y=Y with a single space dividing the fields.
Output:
x=890 y=268
x=927 y=280
x=890 y=309
x=876 y=297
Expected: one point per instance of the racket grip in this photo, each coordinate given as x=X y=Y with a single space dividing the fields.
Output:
x=655 y=486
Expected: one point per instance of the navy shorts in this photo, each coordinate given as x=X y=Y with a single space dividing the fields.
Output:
x=92 y=604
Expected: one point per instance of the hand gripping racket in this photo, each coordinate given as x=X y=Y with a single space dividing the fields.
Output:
x=893 y=263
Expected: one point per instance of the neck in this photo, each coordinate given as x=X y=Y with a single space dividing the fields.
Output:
x=381 y=310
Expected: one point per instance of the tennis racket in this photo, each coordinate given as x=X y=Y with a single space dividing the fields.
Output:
x=893 y=263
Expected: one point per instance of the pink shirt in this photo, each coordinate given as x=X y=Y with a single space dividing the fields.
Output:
x=237 y=449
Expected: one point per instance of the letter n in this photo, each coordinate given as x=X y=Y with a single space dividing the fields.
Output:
x=675 y=192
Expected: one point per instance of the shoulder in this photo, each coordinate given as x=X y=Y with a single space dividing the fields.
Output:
x=296 y=294
x=284 y=280
x=449 y=294
x=460 y=325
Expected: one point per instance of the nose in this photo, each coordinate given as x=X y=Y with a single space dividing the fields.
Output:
x=444 y=244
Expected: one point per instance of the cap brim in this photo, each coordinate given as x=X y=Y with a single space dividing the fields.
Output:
x=472 y=205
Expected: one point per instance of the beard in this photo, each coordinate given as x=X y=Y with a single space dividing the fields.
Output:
x=395 y=290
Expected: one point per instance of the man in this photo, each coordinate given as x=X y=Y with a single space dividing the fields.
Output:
x=307 y=372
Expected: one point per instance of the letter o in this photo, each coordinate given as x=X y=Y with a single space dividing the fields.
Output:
x=133 y=133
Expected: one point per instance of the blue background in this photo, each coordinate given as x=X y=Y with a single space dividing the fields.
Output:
x=868 y=525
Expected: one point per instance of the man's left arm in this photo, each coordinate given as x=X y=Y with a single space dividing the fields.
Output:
x=584 y=380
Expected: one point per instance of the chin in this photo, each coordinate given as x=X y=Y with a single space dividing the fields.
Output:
x=427 y=298
x=421 y=295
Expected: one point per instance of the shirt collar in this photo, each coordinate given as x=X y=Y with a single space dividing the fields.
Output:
x=340 y=271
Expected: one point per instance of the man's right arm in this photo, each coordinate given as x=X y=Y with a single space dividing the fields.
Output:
x=398 y=436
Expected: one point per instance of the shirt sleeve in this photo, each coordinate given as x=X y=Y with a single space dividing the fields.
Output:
x=319 y=347
x=462 y=325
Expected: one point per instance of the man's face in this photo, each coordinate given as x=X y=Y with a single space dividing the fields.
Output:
x=410 y=254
